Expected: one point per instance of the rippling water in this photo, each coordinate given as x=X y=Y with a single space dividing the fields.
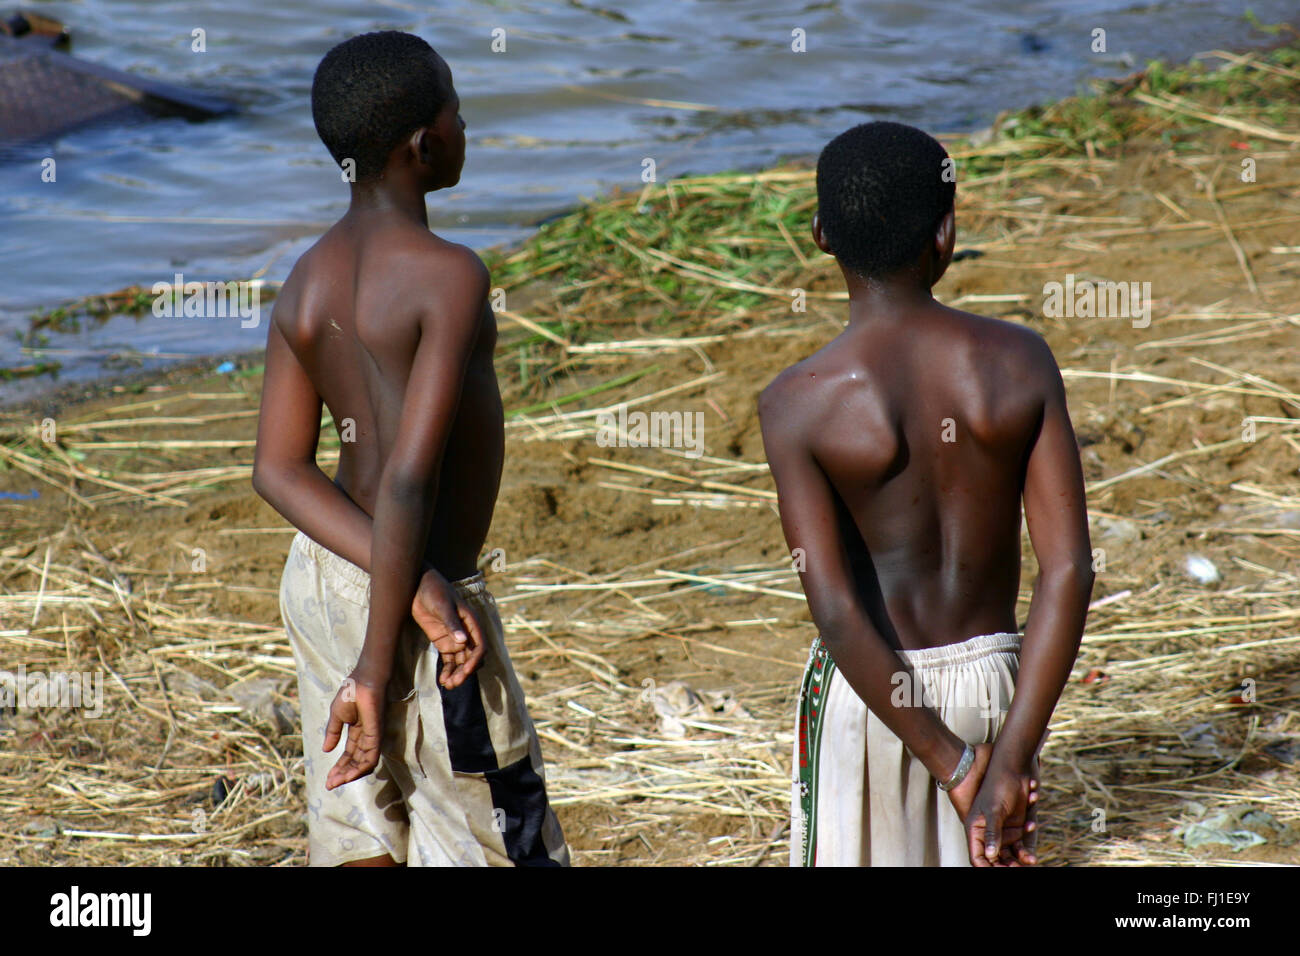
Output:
x=583 y=92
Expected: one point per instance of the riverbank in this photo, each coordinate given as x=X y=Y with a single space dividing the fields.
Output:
x=651 y=610
x=582 y=95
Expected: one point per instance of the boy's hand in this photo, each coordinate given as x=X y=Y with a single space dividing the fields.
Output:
x=449 y=623
x=1001 y=823
x=361 y=707
x=963 y=795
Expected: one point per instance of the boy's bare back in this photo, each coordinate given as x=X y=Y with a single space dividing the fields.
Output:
x=901 y=452
x=925 y=424
x=389 y=327
x=353 y=312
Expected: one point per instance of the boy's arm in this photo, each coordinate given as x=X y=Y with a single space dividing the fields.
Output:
x=1056 y=515
x=809 y=517
x=286 y=475
x=408 y=486
x=404 y=503
x=285 y=472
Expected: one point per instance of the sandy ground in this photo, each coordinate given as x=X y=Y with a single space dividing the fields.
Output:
x=687 y=578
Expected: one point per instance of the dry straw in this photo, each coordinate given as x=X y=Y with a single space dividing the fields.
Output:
x=637 y=301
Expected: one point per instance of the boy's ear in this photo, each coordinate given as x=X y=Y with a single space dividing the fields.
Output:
x=819 y=237
x=424 y=144
x=945 y=239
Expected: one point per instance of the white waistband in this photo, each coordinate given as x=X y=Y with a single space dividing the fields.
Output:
x=965 y=651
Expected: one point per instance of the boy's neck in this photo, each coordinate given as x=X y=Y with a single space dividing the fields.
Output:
x=386 y=198
x=873 y=299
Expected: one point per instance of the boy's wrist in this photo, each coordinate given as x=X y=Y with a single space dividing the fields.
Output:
x=372 y=675
x=1009 y=755
x=943 y=755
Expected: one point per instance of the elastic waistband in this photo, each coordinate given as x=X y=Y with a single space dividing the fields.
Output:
x=473 y=585
x=964 y=652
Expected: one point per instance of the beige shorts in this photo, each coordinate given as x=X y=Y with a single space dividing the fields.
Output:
x=860 y=798
x=460 y=781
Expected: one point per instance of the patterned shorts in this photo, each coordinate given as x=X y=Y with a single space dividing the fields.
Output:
x=460 y=781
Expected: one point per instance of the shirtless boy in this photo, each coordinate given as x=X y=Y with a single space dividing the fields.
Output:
x=394 y=633
x=901 y=453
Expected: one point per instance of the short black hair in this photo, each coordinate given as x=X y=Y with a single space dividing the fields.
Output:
x=373 y=90
x=881 y=192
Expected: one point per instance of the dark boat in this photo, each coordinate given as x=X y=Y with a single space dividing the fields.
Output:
x=45 y=91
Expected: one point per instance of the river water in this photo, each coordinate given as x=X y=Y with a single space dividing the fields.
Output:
x=581 y=95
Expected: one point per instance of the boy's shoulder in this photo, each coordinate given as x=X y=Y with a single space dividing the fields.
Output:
x=1010 y=350
x=1013 y=337
x=799 y=395
x=963 y=342
x=952 y=342
x=412 y=255
x=401 y=258
x=791 y=381
x=420 y=275
x=445 y=277
x=424 y=250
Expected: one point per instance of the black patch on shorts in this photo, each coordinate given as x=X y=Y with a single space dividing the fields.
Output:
x=521 y=793
x=468 y=742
